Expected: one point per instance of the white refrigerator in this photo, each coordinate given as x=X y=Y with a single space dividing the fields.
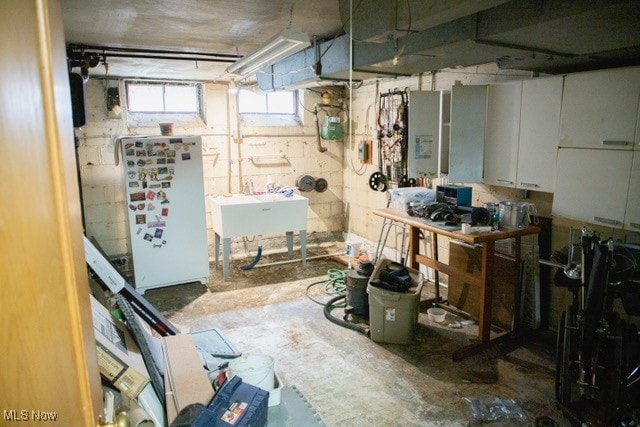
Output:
x=164 y=190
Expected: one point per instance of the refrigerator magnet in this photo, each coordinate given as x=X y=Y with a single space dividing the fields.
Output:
x=151 y=194
x=131 y=163
x=137 y=196
x=161 y=195
x=148 y=237
x=128 y=145
x=141 y=206
x=134 y=184
x=139 y=144
x=165 y=212
x=130 y=152
x=171 y=153
x=166 y=184
x=131 y=174
x=139 y=231
x=163 y=170
x=158 y=233
x=185 y=147
x=156 y=224
x=132 y=206
x=140 y=153
x=141 y=163
x=186 y=156
x=161 y=161
x=150 y=206
x=171 y=160
x=141 y=219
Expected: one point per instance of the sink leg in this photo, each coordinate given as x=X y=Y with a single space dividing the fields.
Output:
x=226 y=252
x=303 y=246
x=290 y=244
x=216 y=250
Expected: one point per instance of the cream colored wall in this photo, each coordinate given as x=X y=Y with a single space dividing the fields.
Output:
x=226 y=159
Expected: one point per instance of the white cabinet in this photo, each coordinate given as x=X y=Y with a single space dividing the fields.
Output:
x=632 y=216
x=600 y=109
x=468 y=121
x=428 y=142
x=502 y=133
x=592 y=185
x=539 y=133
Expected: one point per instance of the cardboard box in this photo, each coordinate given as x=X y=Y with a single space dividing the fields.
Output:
x=185 y=379
x=119 y=358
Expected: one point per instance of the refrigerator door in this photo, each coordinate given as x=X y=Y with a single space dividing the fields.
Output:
x=166 y=210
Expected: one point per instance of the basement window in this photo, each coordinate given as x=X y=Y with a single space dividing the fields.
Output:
x=269 y=109
x=163 y=98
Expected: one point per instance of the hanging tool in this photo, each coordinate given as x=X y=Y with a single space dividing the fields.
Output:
x=258 y=255
x=392 y=141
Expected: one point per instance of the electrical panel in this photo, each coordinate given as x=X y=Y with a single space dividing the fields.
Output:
x=364 y=151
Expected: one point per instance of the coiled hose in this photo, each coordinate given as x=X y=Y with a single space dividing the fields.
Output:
x=353 y=326
x=335 y=285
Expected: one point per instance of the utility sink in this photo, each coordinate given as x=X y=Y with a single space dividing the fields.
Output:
x=258 y=214
x=271 y=197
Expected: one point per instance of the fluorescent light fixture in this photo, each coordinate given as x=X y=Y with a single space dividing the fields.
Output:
x=288 y=42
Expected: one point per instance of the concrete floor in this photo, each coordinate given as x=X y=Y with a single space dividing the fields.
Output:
x=346 y=377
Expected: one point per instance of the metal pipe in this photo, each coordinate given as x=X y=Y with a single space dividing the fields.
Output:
x=290 y=261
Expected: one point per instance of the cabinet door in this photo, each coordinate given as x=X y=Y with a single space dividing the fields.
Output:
x=592 y=185
x=502 y=133
x=600 y=108
x=468 y=121
x=632 y=215
x=425 y=136
x=539 y=130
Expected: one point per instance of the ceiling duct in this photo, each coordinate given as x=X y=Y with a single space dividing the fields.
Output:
x=417 y=36
x=324 y=64
x=548 y=36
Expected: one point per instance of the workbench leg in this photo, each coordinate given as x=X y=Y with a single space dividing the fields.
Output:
x=290 y=244
x=436 y=273
x=216 y=250
x=486 y=291
x=516 y=321
x=226 y=253
x=414 y=247
x=303 y=246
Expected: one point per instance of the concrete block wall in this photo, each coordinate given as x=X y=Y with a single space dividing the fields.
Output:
x=227 y=158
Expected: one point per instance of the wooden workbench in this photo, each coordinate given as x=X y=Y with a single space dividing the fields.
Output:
x=483 y=280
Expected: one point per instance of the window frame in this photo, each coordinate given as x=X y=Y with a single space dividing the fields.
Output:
x=164 y=84
x=272 y=119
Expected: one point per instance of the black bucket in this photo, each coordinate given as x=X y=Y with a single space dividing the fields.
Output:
x=357 y=296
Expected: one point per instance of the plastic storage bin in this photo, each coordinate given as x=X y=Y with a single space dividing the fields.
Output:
x=393 y=316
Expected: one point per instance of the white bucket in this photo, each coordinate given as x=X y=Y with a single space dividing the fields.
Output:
x=353 y=248
x=254 y=369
